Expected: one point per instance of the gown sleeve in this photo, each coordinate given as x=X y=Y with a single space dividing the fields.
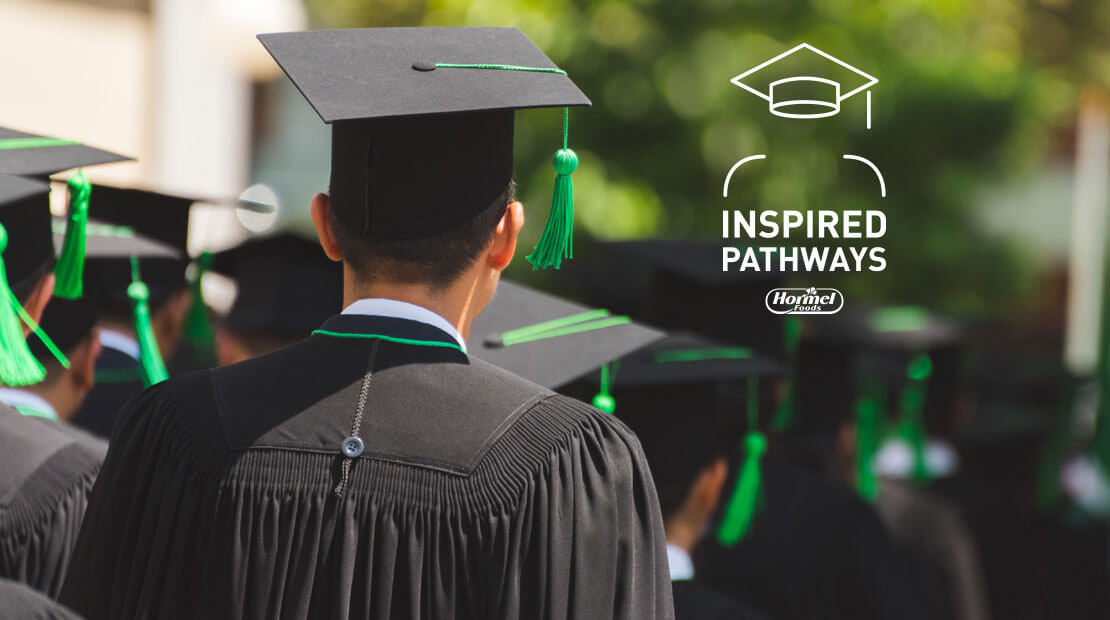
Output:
x=590 y=540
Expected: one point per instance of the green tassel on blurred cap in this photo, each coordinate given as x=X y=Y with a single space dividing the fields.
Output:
x=744 y=501
x=198 y=329
x=867 y=443
x=150 y=358
x=604 y=399
x=70 y=269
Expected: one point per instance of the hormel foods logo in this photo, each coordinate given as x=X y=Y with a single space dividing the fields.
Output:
x=810 y=300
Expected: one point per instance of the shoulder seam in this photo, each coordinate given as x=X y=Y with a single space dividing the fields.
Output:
x=521 y=409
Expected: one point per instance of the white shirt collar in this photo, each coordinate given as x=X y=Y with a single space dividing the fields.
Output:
x=396 y=309
x=27 y=403
x=119 y=341
x=682 y=567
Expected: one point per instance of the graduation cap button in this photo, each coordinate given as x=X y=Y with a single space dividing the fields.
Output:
x=352 y=447
x=424 y=65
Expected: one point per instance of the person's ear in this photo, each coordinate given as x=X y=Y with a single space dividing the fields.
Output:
x=321 y=217
x=40 y=296
x=503 y=247
x=82 y=362
x=709 y=485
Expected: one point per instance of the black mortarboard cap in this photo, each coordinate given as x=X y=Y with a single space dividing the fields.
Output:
x=286 y=284
x=68 y=321
x=25 y=216
x=685 y=358
x=689 y=290
x=30 y=154
x=156 y=216
x=548 y=340
x=419 y=147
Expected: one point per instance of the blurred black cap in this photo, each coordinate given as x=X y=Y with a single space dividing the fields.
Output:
x=285 y=284
x=548 y=340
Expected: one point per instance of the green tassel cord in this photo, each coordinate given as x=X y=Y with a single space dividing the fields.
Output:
x=150 y=358
x=198 y=328
x=557 y=241
x=70 y=269
x=869 y=427
x=18 y=367
x=911 y=425
x=743 y=504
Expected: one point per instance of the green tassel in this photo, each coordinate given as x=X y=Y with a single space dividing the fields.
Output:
x=71 y=264
x=604 y=399
x=742 y=505
x=198 y=329
x=912 y=426
x=557 y=241
x=17 y=366
x=867 y=443
x=150 y=358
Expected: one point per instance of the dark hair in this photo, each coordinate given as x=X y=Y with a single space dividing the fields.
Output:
x=436 y=261
x=29 y=283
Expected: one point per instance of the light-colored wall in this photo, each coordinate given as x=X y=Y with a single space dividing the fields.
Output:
x=79 y=72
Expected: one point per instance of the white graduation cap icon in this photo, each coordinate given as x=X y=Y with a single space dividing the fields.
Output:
x=806 y=96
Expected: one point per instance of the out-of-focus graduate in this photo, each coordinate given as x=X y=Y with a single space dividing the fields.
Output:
x=377 y=469
x=70 y=324
x=811 y=548
x=887 y=383
x=135 y=346
x=48 y=469
x=678 y=395
x=286 y=288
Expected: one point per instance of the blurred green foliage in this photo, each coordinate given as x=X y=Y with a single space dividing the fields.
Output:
x=971 y=93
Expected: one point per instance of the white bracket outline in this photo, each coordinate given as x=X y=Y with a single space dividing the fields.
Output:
x=728 y=177
x=874 y=168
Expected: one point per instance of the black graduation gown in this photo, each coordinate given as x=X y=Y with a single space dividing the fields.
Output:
x=48 y=473
x=479 y=494
x=118 y=380
x=694 y=601
x=815 y=550
x=21 y=602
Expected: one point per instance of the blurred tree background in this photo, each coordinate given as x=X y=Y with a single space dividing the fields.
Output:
x=972 y=94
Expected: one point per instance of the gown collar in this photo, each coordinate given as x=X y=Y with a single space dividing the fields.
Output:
x=27 y=403
x=119 y=341
x=682 y=567
x=395 y=309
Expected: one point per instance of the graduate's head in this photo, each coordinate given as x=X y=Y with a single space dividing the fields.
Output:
x=679 y=429
x=151 y=216
x=422 y=122
x=286 y=287
x=169 y=301
x=71 y=326
x=35 y=293
x=487 y=239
